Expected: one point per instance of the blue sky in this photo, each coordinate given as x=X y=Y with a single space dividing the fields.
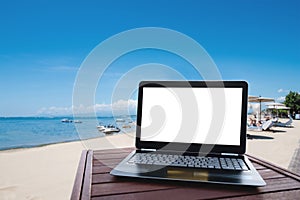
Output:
x=43 y=44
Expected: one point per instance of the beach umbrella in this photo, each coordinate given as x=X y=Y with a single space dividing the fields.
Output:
x=283 y=108
x=260 y=100
x=274 y=105
x=251 y=98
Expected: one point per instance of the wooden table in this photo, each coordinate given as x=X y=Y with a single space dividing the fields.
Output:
x=93 y=181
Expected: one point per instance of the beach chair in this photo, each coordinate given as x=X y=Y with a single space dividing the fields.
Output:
x=288 y=124
x=266 y=125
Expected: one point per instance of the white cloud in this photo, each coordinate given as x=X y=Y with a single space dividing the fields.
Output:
x=120 y=107
x=123 y=104
x=282 y=91
x=280 y=99
x=55 y=111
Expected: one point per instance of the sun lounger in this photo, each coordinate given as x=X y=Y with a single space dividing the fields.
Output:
x=265 y=126
x=288 y=124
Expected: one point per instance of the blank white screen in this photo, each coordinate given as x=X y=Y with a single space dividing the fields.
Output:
x=169 y=115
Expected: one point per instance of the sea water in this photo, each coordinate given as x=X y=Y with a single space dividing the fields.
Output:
x=22 y=132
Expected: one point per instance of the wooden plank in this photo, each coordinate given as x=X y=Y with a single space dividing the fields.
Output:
x=76 y=192
x=269 y=173
x=275 y=168
x=110 y=162
x=290 y=194
x=186 y=190
x=87 y=181
x=258 y=166
x=174 y=194
x=101 y=169
x=183 y=194
x=179 y=190
x=105 y=178
x=158 y=194
x=114 y=151
x=125 y=187
x=280 y=184
x=109 y=156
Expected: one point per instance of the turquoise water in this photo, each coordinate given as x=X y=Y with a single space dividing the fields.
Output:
x=25 y=132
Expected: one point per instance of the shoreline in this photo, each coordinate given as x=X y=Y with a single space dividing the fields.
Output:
x=53 y=143
x=107 y=137
x=37 y=146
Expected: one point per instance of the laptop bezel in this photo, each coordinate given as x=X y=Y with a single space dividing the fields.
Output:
x=193 y=147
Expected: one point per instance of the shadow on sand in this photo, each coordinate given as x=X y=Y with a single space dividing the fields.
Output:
x=277 y=131
x=263 y=137
x=258 y=137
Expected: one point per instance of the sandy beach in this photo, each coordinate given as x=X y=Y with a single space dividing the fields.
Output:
x=277 y=146
x=48 y=172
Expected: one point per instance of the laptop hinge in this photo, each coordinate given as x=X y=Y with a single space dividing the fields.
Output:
x=148 y=149
x=229 y=154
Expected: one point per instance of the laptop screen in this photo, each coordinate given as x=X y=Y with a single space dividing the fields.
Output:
x=195 y=113
x=163 y=110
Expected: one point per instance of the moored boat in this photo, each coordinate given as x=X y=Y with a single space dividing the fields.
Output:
x=66 y=120
x=108 y=129
x=120 y=120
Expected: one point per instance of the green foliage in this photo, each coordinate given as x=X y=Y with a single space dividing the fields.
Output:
x=292 y=100
x=283 y=113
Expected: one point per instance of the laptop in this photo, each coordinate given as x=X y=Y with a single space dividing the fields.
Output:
x=191 y=131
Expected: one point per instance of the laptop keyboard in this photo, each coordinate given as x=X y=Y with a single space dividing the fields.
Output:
x=203 y=162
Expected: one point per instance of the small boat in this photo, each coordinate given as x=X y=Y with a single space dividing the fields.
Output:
x=77 y=121
x=100 y=127
x=120 y=120
x=66 y=120
x=108 y=129
x=111 y=130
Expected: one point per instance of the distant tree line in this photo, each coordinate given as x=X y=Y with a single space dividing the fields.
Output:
x=292 y=100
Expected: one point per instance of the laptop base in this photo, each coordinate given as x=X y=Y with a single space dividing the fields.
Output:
x=247 y=178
